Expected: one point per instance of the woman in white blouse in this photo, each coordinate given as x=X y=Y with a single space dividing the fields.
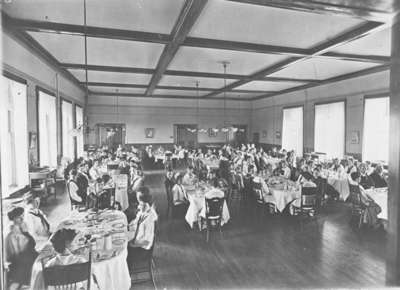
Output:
x=178 y=191
x=141 y=229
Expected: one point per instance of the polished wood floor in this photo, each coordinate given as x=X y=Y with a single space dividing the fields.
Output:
x=261 y=252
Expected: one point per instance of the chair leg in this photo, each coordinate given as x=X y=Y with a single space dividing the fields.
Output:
x=207 y=234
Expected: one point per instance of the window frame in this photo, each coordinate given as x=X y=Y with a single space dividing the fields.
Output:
x=302 y=106
x=341 y=100
x=39 y=89
x=366 y=97
x=63 y=99
x=22 y=81
x=75 y=125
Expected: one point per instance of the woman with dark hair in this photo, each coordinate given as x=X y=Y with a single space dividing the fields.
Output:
x=20 y=250
x=75 y=194
x=61 y=242
x=372 y=210
x=141 y=229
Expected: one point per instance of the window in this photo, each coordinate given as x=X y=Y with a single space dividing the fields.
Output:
x=67 y=126
x=376 y=129
x=13 y=136
x=79 y=125
x=329 y=132
x=292 y=130
x=47 y=129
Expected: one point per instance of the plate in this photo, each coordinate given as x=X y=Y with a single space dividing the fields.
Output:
x=118 y=242
x=118 y=226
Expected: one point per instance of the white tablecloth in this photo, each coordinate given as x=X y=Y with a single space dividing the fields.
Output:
x=380 y=196
x=197 y=207
x=281 y=197
x=341 y=185
x=112 y=273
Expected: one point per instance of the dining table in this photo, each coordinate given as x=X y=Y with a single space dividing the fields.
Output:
x=380 y=196
x=282 y=192
x=210 y=163
x=104 y=234
x=339 y=182
x=197 y=195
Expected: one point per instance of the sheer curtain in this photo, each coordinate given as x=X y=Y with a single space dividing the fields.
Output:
x=329 y=132
x=292 y=130
x=67 y=126
x=47 y=130
x=376 y=129
x=79 y=123
x=13 y=136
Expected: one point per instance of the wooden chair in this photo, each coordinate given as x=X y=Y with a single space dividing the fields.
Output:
x=146 y=263
x=214 y=208
x=261 y=201
x=67 y=276
x=308 y=204
x=236 y=192
x=322 y=192
x=357 y=208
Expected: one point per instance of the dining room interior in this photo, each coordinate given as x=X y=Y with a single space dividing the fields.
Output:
x=200 y=144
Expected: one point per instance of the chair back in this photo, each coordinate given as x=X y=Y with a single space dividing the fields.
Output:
x=308 y=197
x=355 y=195
x=214 y=207
x=257 y=191
x=322 y=187
x=67 y=276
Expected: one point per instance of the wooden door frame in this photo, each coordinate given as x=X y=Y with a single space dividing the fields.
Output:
x=98 y=125
x=194 y=126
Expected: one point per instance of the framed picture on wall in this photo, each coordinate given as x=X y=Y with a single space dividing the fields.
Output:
x=149 y=132
x=355 y=137
x=278 y=134
x=264 y=133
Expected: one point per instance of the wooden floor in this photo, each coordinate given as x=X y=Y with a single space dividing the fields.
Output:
x=256 y=252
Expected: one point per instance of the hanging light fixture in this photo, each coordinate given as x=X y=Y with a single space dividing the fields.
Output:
x=201 y=130
x=225 y=129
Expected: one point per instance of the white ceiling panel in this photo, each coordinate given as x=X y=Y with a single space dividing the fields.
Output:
x=64 y=11
x=321 y=68
x=191 y=82
x=374 y=44
x=179 y=92
x=268 y=86
x=116 y=90
x=209 y=60
x=123 y=53
x=112 y=77
x=142 y=15
x=258 y=24
x=65 y=48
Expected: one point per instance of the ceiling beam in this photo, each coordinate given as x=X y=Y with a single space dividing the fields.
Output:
x=106 y=94
x=186 y=19
x=339 y=78
x=177 y=88
x=378 y=11
x=37 y=49
x=125 y=69
x=347 y=36
x=120 y=34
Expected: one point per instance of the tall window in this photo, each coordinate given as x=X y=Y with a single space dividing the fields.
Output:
x=376 y=129
x=292 y=130
x=67 y=126
x=13 y=136
x=329 y=133
x=79 y=123
x=47 y=130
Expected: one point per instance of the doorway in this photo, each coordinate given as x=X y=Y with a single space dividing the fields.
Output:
x=111 y=135
x=239 y=137
x=184 y=137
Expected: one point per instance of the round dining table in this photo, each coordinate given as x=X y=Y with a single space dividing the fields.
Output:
x=104 y=233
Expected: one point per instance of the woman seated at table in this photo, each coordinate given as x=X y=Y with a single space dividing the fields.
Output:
x=283 y=170
x=19 y=249
x=371 y=208
x=94 y=171
x=36 y=221
x=76 y=195
x=141 y=229
x=179 y=195
x=189 y=178
x=137 y=180
x=222 y=184
x=61 y=242
x=378 y=178
x=365 y=180
x=337 y=166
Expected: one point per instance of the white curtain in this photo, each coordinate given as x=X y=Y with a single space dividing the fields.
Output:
x=376 y=129
x=329 y=133
x=67 y=126
x=47 y=130
x=292 y=130
x=79 y=123
x=13 y=136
